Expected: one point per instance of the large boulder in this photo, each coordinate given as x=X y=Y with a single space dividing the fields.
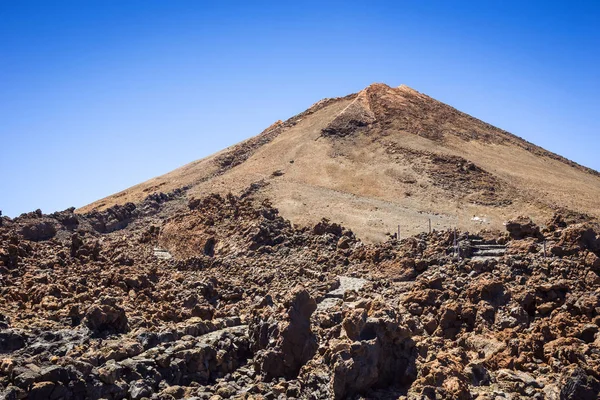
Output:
x=375 y=350
x=581 y=237
x=106 y=317
x=523 y=227
x=577 y=238
x=11 y=340
x=576 y=384
x=38 y=230
x=282 y=338
x=380 y=352
x=114 y=218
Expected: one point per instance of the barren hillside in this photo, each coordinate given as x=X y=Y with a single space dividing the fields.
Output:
x=386 y=157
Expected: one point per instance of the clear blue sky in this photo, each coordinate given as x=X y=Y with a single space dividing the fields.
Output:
x=96 y=96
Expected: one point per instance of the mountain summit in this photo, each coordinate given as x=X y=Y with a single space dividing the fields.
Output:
x=385 y=157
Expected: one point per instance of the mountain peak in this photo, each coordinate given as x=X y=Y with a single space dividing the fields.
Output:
x=378 y=86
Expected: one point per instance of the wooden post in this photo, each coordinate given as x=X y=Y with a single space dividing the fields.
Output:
x=429 y=225
x=398 y=236
x=454 y=243
x=544 y=248
x=456 y=248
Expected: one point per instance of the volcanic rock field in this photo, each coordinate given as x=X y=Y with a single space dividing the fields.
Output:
x=251 y=307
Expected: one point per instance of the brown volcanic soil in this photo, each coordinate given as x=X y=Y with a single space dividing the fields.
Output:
x=386 y=157
x=252 y=307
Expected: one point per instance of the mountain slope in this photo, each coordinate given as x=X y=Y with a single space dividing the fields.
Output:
x=386 y=157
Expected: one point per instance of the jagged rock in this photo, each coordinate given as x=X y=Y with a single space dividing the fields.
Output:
x=579 y=237
x=576 y=384
x=13 y=393
x=442 y=377
x=38 y=230
x=376 y=352
x=593 y=262
x=56 y=374
x=172 y=392
x=140 y=389
x=110 y=373
x=76 y=244
x=46 y=391
x=67 y=218
x=354 y=323
x=106 y=318
x=557 y=222
x=344 y=243
x=326 y=226
x=523 y=227
x=114 y=218
x=588 y=333
x=284 y=346
x=11 y=340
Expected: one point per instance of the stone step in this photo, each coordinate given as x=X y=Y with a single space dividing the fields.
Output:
x=489 y=252
x=484 y=258
x=481 y=242
x=488 y=246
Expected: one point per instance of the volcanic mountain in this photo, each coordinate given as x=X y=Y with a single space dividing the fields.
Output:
x=181 y=289
x=387 y=157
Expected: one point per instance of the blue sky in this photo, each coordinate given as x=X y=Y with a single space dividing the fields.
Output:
x=96 y=96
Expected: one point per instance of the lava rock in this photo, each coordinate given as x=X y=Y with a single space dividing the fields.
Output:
x=106 y=318
x=523 y=227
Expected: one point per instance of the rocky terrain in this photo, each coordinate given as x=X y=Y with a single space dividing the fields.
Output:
x=224 y=280
x=220 y=297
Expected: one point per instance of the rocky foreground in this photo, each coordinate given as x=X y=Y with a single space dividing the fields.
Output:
x=220 y=297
